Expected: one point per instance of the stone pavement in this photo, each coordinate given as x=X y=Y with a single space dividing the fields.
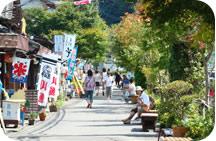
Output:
x=77 y=123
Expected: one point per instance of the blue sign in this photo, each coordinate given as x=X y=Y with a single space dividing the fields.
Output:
x=1 y=86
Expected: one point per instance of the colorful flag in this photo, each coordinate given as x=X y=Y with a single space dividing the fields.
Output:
x=82 y=2
x=69 y=43
x=20 y=69
x=44 y=82
x=59 y=43
x=72 y=63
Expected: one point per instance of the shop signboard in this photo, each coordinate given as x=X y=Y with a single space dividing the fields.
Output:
x=11 y=110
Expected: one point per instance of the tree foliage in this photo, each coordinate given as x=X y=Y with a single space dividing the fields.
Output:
x=92 y=32
x=150 y=37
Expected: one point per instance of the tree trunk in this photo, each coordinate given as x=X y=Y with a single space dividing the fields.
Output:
x=206 y=59
x=206 y=81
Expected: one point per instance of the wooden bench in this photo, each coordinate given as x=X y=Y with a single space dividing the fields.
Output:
x=149 y=120
x=175 y=139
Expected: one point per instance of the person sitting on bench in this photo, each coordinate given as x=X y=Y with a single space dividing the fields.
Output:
x=143 y=105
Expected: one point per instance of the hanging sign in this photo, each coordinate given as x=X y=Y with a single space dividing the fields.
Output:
x=59 y=43
x=20 y=68
x=45 y=80
x=69 y=43
x=72 y=63
x=54 y=85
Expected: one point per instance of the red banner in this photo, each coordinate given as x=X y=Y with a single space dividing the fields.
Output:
x=82 y=2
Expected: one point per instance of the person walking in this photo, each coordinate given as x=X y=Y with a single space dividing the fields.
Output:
x=125 y=86
x=98 y=79
x=89 y=86
x=108 y=84
x=104 y=75
x=117 y=79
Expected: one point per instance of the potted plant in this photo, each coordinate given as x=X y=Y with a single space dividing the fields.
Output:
x=32 y=117
x=53 y=107
x=175 y=99
x=42 y=114
x=179 y=128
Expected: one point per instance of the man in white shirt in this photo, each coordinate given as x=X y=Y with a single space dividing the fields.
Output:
x=143 y=105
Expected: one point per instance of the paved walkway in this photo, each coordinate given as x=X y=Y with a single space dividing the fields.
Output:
x=76 y=123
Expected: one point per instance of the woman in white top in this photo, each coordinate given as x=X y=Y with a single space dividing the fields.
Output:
x=108 y=83
x=132 y=88
x=98 y=79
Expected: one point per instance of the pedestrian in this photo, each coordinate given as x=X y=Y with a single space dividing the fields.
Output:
x=125 y=86
x=131 y=90
x=104 y=75
x=83 y=76
x=143 y=105
x=117 y=79
x=98 y=79
x=108 y=84
x=89 y=86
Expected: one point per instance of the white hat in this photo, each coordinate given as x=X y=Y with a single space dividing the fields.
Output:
x=139 y=88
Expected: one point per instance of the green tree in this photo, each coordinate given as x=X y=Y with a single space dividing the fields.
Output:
x=170 y=22
x=92 y=32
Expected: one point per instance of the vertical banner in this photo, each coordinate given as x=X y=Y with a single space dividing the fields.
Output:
x=1 y=87
x=54 y=85
x=72 y=63
x=45 y=80
x=20 y=68
x=69 y=43
x=59 y=43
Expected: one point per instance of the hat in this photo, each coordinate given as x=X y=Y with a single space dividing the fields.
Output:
x=139 y=88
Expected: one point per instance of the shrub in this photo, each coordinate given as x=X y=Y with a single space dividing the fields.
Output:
x=175 y=99
x=200 y=126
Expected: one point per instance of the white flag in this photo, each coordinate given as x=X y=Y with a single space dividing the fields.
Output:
x=69 y=43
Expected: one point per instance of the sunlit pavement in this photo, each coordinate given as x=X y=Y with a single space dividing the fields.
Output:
x=77 y=123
